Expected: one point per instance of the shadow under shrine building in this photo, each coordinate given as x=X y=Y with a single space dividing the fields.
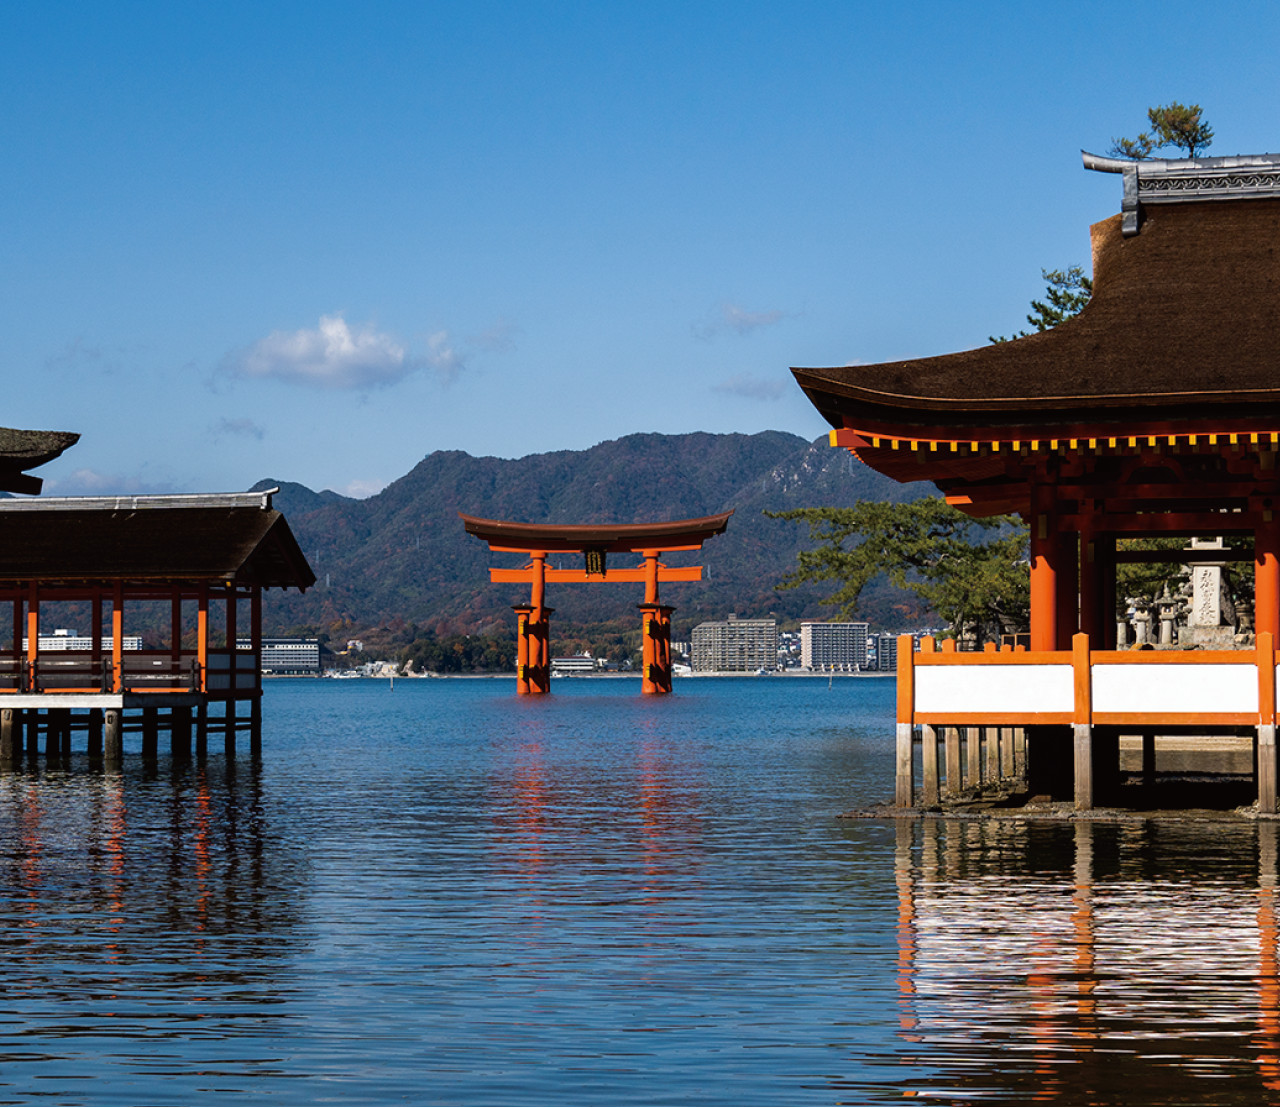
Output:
x=1153 y=413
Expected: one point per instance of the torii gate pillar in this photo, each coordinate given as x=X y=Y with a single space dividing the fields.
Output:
x=656 y=626
x=533 y=633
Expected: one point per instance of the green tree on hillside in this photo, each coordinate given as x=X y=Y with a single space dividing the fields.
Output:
x=1172 y=124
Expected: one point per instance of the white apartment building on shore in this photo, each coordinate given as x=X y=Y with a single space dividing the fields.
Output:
x=735 y=646
x=833 y=647
x=64 y=638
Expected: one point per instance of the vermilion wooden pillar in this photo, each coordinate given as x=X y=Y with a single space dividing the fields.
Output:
x=117 y=637
x=33 y=635
x=534 y=641
x=656 y=639
x=1266 y=579
x=1044 y=570
x=202 y=639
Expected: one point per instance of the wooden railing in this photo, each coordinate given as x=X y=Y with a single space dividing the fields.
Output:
x=1086 y=688
x=228 y=674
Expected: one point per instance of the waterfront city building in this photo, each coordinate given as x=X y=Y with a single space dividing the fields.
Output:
x=288 y=657
x=833 y=647
x=65 y=638
x=735 y=646
x=573 y=663
x=886 y=653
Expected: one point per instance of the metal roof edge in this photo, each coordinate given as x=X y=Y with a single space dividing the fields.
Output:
x=260 y=500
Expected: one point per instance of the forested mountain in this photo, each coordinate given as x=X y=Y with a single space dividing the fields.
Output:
x=402 y=558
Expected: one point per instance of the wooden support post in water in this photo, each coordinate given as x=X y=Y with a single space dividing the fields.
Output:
x=229 y=730
x=1266 y=661
x=93 y=744
x=113 y=739
x=930 y=793
x=973 y=755
x=150 y=734
x=1006 y=752
x=1082 y=723
x=6 y=738
x=52 y=735
x=1083 y=735
x=64 y=733
x=180 y=734
x=904 y=779
x=255 y=727
x=1148 y=759
x=202 y=731
x=31 y=725
x=951 y=746
x=991 y=749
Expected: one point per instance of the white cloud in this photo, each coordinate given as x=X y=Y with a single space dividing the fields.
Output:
x=81 y=358
x=498 y=339
x=443 y=358
x=89 y=482
x=239 y=427
x=332 y=356
x=751 y=386
x=736 y=318
x=360 y=490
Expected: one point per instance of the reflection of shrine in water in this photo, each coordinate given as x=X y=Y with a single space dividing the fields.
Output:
x=1089 y=963
x=168 y=889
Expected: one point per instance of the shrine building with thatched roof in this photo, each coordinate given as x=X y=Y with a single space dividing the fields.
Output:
x=1153 y=413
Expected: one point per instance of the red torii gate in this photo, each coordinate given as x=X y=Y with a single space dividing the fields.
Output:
x=594 y=542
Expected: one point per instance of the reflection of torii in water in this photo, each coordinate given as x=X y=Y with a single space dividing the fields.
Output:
x=594 y=542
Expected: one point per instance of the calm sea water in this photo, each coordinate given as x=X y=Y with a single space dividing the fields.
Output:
x=448 y=894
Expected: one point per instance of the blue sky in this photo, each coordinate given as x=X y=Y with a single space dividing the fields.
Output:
x=318 y=241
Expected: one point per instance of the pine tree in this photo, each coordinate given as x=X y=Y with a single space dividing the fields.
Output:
x=1171 y=125
x=1066 y=294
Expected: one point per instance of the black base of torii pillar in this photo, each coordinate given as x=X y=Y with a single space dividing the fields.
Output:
x=533 y=649
x=656 y=674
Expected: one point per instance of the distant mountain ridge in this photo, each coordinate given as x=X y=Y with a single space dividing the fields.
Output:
x=402 y=557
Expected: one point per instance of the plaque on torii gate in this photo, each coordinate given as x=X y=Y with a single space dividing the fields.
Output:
x=595 y=542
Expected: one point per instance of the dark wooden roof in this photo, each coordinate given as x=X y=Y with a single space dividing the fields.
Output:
x=236 y=537
x=1184 y=324
x=21 y=450
x=614 y=538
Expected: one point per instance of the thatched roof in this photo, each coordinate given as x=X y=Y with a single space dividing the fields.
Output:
x=20 y=450
x=233 y=537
